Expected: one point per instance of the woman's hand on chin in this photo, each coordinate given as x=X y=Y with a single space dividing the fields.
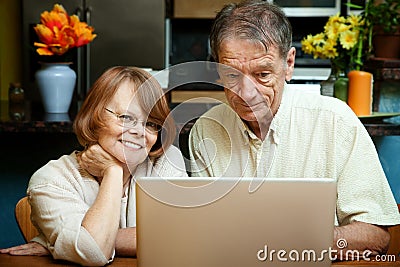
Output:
x=96 y=160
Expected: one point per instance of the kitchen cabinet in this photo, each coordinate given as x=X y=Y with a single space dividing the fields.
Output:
x=129 y=33
x=201 y=9
x=386 y=90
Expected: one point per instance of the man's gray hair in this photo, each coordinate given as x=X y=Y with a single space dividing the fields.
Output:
x=254 y=20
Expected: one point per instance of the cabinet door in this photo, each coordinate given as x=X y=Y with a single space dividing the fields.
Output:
x=198 y=9
x=128 y=33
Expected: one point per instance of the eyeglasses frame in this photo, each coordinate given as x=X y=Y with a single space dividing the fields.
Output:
x=133 y=122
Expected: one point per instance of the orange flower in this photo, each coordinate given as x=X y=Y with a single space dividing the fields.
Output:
x=83 y=33
x=59 y=32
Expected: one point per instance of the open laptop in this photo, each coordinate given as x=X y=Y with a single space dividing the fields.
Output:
x=207 y=222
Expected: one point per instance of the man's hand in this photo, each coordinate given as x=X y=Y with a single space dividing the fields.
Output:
x=361 y=236
x=29 y=249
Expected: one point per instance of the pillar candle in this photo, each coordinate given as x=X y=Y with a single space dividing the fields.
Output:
x=360 y=92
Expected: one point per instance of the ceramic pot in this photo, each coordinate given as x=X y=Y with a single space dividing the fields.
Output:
x=56 y=82
x=386 y=45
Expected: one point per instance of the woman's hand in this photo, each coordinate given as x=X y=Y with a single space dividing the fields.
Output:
x=96 y=161
x=29 y=249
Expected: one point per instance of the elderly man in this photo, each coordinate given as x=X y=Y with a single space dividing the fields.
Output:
x=269 y=130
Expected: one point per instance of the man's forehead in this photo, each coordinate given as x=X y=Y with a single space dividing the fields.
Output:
x=245 y=52
x=263 y=61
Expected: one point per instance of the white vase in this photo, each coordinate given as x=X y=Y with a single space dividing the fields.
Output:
x=56 y=82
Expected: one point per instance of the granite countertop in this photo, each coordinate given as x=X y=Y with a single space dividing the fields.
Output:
x=29 y=117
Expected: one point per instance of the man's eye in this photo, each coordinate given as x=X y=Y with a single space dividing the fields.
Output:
x=232 y=75
x=263 y=74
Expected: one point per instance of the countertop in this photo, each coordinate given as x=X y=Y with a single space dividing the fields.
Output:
x=30 y=117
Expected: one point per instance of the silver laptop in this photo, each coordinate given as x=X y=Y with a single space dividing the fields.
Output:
x=218 y=222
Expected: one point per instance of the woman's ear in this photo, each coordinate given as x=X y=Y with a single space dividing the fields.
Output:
x=290 y=58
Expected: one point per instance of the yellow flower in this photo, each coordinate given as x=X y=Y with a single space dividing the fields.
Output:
x=338 y=40
x=349 y=39
x=307 y=44
x=330 y=50
x=355 y=20
x=58 y=32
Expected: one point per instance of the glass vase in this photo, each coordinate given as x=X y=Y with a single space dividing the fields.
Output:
x=327 y=86
x=340 y=88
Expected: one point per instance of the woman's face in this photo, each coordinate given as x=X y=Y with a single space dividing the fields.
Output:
x=130 y=145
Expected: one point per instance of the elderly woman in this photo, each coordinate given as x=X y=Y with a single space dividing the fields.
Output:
x=84 y=203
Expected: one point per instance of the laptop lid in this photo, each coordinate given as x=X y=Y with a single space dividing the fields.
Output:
x=189 y=222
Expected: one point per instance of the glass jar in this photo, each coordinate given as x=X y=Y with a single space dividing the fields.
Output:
x=327 y=86
x=340 y=88
x=16 y=94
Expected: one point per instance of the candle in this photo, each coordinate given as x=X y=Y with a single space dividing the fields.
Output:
x=360 y=92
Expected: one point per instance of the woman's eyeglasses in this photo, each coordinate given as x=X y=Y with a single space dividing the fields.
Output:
x=130 y=122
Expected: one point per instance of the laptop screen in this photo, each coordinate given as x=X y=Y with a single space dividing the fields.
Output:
x=234 y=221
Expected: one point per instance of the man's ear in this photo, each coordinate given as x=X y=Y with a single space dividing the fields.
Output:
x=290 y=58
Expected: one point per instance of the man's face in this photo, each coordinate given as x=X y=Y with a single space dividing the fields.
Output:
x=253 y=77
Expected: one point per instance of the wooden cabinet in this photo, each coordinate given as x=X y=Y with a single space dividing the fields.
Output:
x=386 y=73
x=200 y=9
x=386 y=94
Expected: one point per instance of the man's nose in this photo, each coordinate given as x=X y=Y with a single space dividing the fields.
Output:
x=247 y=89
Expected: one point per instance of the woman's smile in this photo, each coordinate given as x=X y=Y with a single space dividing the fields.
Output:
x=131 y=145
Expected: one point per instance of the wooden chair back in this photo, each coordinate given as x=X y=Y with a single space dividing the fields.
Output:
x=394 y=245
x=23 y=217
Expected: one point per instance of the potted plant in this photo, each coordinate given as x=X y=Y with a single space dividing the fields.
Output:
x=384 y=19
x=342 y=42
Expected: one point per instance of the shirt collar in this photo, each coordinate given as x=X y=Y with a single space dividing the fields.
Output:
x=281 y=115
x=277 y=122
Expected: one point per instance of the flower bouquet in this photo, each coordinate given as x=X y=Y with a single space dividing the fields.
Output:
x=346 y=42
x=339 y=42
x=58 y=35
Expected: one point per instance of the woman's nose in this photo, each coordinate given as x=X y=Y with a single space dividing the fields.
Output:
x=138 y=129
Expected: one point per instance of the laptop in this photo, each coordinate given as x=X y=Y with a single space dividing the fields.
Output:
x=235 y=221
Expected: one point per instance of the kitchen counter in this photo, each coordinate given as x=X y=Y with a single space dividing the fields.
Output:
x=30 y=118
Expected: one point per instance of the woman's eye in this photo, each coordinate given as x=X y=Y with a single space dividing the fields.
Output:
x=151 y=124
x=126 y=118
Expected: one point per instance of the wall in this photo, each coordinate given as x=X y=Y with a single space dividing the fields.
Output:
x=389 y=146
x=21 y=155
x=10 y=45
x=388 y=150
